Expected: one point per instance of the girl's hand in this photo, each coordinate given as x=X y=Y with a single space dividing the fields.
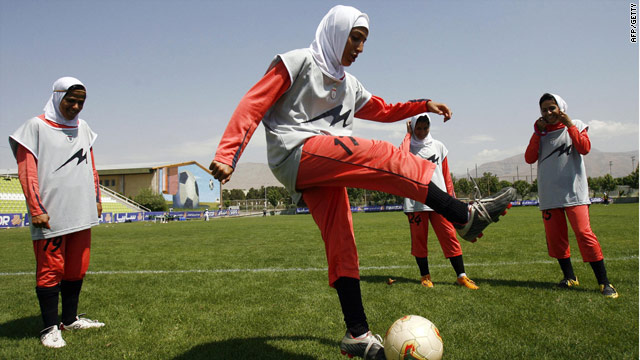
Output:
x=41 y=221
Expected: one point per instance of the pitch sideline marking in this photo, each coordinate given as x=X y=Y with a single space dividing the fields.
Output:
x=275 y=270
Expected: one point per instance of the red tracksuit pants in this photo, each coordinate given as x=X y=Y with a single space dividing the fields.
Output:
x=330 y=164
x=63 y=257
x=445 y=232
x=555 y=227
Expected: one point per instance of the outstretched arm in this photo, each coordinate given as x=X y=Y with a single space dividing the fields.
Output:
x=246 y=118
x=377 y=110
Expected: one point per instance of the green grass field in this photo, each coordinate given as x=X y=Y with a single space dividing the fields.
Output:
x=256 y=288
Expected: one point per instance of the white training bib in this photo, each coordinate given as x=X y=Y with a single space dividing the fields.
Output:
x=435 y=152
x=562 y=178
x=65 y=174
x=313 y=105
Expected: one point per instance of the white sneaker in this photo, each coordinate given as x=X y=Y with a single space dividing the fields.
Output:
x=368 y=347
x=82 y=323
x=52 y=337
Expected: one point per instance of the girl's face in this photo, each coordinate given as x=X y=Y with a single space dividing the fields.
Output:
x=72 y=103
x=421 y=130
x=355 y=45
x=550 y=111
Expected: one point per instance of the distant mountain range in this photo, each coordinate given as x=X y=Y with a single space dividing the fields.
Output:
x=256 y=175
x=597 y=164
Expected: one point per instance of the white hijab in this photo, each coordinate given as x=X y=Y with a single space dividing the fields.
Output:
x=331 y=38
x=560 y=101
x=419 y=146
x=52 y=108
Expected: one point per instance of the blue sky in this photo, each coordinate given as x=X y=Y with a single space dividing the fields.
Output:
x=163 y=77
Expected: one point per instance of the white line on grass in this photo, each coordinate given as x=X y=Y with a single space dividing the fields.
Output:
x=274 y=270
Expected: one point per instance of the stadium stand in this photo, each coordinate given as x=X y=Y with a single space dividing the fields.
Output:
x=12 y=199
x=11 y=196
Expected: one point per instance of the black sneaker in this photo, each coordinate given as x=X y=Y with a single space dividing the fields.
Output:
x=484 y=212
x=568 y=283
x=608 y=291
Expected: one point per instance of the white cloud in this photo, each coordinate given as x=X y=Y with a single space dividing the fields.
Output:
x=613 y=135
x=611 y=129
x=478 y=139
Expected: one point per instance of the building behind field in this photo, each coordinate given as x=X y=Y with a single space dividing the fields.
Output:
x=185 y=184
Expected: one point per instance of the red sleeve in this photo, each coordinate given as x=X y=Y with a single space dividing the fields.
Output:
x=447 y=177
x=531 y=154
x=406 y=143
x=377 y=110
x=96 y=179
x=250 y=111
x=28 y=175
x=580 y=140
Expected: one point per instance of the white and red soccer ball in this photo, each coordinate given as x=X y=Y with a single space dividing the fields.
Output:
x=413 y=337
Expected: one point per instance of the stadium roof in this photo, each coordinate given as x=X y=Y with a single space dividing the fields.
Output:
x=140 y=168
x=130 y=168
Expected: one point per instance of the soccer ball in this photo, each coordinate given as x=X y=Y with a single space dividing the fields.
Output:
x=413 y=337
x=188 y=196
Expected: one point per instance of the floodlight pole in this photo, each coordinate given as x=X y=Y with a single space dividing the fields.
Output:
x=610 y=163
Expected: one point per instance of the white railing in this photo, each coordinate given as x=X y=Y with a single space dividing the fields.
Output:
x=123 y=199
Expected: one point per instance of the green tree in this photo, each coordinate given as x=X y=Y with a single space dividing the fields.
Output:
x=285 y=197
x=534 y=186
x=631 y=179
x=382 y=198
x=274 y=197
x=594 y=184
x=236 y=194
x=503 y=184
x=255 y=193
x=356 y=196
x=149 y=199
x=463 y=187
x=607 y=183
x=522 y=187
x=488 y=184
x=226 y=194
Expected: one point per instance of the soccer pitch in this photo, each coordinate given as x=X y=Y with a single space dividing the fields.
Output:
x=256 y=288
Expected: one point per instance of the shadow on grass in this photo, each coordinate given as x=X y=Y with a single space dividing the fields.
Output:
x=251 y=348
x=24 y=328
x=384 y=278
x=530 y=284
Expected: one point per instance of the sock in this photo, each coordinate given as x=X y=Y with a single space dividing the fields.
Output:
x=351 y=303
x=567 y=268
x=600 y=271
x=458 y=264
x=70 y=291
x=48 y=299
x=444 y=204
x=423 y=264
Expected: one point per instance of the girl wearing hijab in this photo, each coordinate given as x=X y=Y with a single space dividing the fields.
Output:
x=558 y=145
x=54 y=152
x=419 y=142
x=307 y=104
